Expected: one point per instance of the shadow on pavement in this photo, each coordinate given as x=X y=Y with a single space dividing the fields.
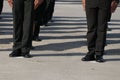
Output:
x=62 y=54
x=61 y=46
x=6 y=25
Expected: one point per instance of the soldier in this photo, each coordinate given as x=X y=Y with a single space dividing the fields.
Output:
x=97 y=12
x=43 y=14
x=39 y=19
x=22 y=26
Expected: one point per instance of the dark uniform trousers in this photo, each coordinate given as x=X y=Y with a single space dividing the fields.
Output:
x=1 y=6
x=38 y=18
x=51 y=9
x=97 y=17
x=43 y=14
x=23 y=25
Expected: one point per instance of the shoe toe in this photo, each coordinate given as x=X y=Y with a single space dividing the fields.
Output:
x=27 y=56
x=100 y=60
x=13 y=54
x=88 y=59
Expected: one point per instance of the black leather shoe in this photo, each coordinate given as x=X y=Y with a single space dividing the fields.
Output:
x=37 y=39
x=99 y=59
x=27 y=56
x=15 y=54
x=88 y=58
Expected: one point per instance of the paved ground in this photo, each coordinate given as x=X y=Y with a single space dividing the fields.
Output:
x=58 y=56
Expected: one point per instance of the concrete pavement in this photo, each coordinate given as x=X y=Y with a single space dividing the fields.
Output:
x=58 y=55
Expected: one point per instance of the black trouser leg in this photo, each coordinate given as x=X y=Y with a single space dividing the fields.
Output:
x=27 y=26
x=1 y=6
x=51 y=9
x=18 y=14
x=36 y=30
x=22 y=16
x=101 y=31
x=91 y=14
x=97 y=25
